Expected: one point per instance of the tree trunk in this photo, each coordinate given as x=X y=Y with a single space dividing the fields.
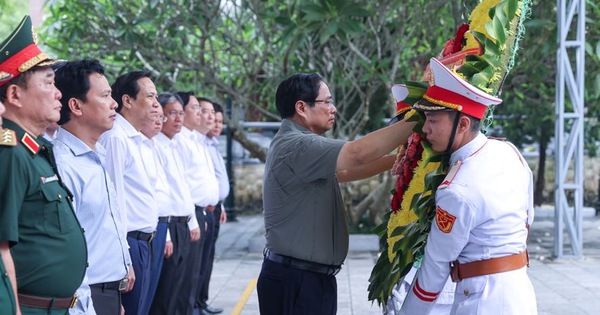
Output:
x=254 y=148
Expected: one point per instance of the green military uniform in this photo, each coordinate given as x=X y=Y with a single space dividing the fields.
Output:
x=37 y=219
x=7 y=299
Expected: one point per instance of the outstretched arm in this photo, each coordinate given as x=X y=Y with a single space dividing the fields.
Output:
x=373 y=146
x=382 y=164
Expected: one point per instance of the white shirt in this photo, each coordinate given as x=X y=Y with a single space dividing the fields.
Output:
x=125 y=166
x=181 y=199
x=220 y=170
x=200 y=174
x=153 y=163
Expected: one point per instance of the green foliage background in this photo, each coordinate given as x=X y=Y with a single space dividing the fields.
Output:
x=11 y=13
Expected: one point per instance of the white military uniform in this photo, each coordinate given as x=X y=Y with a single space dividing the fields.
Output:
x=442 y=305
x=482 y=210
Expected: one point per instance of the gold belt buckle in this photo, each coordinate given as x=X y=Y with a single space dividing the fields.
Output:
x=74 y=301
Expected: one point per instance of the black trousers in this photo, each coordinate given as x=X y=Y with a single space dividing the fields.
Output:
x=106 y=301
x=203 y=296
x=283 y=290
x=208 y=257
x=172 y=275
x=189 y=288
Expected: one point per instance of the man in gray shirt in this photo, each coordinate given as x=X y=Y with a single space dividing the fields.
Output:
x=305 y=221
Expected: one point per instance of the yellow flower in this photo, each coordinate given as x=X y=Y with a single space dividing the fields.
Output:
x=406 y=215
x=479 y=17
x=402 y=217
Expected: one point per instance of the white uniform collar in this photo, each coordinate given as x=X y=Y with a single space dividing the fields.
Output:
x=468 y=149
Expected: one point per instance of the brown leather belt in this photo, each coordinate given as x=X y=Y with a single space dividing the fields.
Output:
x=46 y=302
x=489 y=266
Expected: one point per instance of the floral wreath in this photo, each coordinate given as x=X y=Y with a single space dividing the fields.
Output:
x=482 y=52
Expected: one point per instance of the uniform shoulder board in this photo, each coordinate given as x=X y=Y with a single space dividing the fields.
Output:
x=8 y=137
x=451 y=174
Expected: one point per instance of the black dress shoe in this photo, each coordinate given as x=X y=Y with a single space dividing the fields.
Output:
x=213 y=310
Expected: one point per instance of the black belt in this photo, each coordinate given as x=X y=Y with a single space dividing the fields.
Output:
x=142 y=236
x=167 y=219
x=305 y=265
x=114 y=285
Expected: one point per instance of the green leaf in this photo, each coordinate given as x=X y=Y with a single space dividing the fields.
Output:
x=500 y=30
x=481 y=79
x=401 y=230
x=470 y=68
x=313 y=17
x=313 y=8
x=382 y=264
x=501 y=14
x=354 y=9
x=412 y=238
x=350 y=26
x=489 y=28
x=406 y=259
x=422 y=238
x=414 y=203
x=489 y=46
x=330 y=30
x=511 y=8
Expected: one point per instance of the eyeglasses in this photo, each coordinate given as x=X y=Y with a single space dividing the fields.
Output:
x=328 y=103
x=206 y=111
x=163 y=118
x=195 y=108
x=173 y=113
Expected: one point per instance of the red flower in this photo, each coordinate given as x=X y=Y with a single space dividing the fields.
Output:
x=396 y=200
x=408 y=158
x=455 y=44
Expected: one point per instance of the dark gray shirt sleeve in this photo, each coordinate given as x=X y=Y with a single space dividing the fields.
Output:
x=315 y=158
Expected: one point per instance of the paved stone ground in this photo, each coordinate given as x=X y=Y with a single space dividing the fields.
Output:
x=563 y=286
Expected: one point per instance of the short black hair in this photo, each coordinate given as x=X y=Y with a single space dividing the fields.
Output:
x=127 y=84
x=297 y=87
x=218 y=107
x=204 y=99
x=185 y=97
x=72 y=79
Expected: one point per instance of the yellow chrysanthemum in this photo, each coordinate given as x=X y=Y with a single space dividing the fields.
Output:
x=406 y=215
x=400 y=218
x=478 y=18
